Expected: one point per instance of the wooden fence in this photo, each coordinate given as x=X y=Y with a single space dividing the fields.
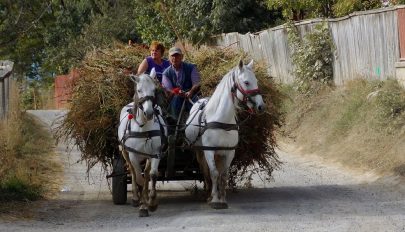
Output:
x=6 y=71
x=367 y=45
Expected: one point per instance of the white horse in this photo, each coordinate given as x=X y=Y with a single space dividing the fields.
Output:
x=142 y=133
x=212 y=127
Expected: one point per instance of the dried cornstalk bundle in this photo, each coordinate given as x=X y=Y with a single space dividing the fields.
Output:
x=103 y=89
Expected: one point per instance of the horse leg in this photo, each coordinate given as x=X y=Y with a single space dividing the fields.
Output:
x=207 y=179
x=153 y=204
x=210 y=158
x=227 y=160
x=135 y=191
x=143 y=209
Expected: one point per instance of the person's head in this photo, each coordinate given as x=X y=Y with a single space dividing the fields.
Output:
x=156 y=50
x=175 y=56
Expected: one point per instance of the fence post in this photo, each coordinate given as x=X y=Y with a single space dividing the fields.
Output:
x=6 y=68
x=2 y=99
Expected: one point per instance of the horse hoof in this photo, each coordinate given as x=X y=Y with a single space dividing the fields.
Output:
x=218 y=205
x=143 y=213
x=135 y=203
x=152 y=208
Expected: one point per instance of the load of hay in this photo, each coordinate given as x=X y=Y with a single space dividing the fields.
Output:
x=104 y=88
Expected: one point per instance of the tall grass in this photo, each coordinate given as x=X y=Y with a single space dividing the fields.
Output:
x=25 y=153
x=361 y=125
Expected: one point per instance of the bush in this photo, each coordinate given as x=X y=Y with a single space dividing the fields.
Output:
x=15 y=189
x=312 y=57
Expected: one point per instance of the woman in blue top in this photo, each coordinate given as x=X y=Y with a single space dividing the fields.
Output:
x=155 y=60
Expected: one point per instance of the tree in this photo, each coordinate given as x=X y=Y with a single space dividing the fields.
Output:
x=299 y=10
x=197 y=20
x=296 y=10
x=22 y=25
x=242 y=16
x=345 y=7
x=56 y=34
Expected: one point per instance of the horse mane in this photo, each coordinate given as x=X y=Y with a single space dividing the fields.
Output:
x=217 y=101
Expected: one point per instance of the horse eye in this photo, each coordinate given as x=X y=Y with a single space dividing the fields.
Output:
x=246 y=83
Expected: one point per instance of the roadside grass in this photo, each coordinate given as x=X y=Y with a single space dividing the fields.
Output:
x=29 y=170
x=360 y=125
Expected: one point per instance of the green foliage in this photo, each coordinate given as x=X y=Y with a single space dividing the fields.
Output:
x=195 y=20
x=296 y=10
x=304 y=9
x=390 y=106
x=21 y=31
x=82 y=26
x=30 y=99
x=57 y=34
x=345 y=7
x=312 y=56
x=241 y=16
x=188 y=19
x=15 y=189
x=151 y=23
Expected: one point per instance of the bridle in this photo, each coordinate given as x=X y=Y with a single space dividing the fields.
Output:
x=139 y=105
x=144 y=99
x=247 y=94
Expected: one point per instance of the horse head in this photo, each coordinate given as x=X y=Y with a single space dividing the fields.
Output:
x=246 y=87
x=145 y=93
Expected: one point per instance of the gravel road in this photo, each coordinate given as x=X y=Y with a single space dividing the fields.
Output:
x=306 y=195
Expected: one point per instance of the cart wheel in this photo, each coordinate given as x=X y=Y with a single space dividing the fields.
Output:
x=119 y=182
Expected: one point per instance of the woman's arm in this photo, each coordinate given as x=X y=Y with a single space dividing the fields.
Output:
x=142 y=67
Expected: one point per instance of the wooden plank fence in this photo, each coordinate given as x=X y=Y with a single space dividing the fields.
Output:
x=367 y=45
x=6 y=71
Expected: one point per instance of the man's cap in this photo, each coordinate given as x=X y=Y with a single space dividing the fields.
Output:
x=175 y=50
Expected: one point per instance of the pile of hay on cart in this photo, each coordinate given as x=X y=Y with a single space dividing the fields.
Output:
x=104 y=88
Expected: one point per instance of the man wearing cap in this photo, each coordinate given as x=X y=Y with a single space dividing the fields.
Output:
x=182 y=81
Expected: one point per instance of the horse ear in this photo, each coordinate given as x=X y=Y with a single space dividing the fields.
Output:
x=240 y=65
x=250 y=65
x=152 y=73
x=134 y=78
